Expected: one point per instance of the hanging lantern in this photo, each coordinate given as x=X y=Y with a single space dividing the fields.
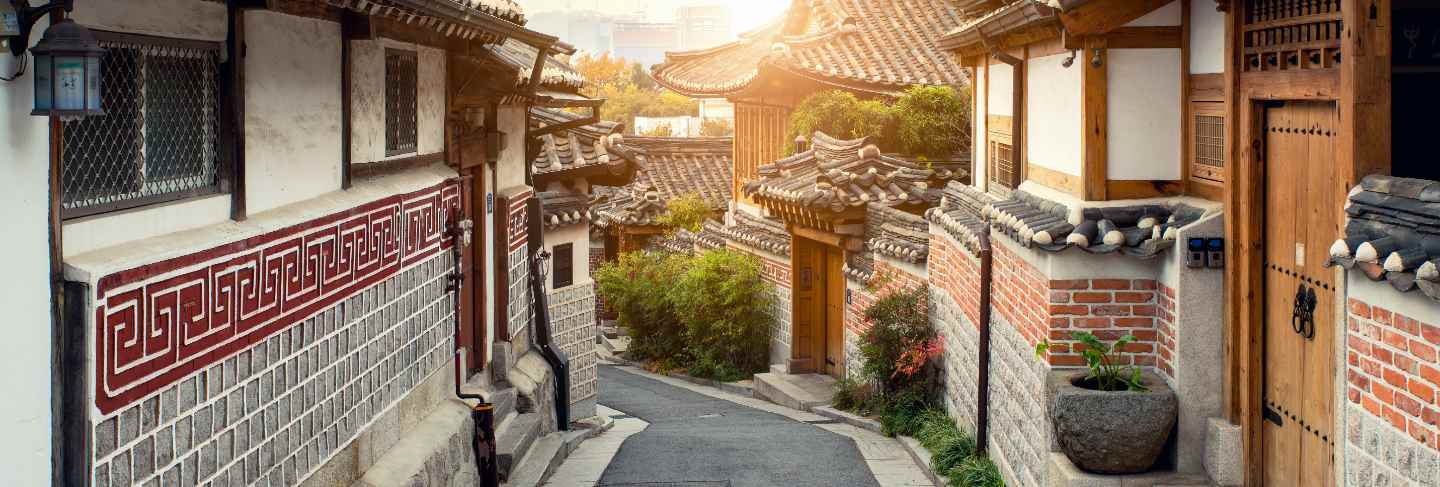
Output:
x=67 y=72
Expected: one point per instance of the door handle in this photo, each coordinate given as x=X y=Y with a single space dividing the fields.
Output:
x=1297 y=322
x=1307 y=317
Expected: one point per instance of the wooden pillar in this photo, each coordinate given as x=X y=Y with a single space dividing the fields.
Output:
x=1094 y=119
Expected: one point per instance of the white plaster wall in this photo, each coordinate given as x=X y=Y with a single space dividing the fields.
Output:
x=1164 y=16
x=1052 y=114
x=1207 y=38
x=1144 y=114
x=367 y=116
x=511 y=121
x=25 y=291
x=486 y=225
x=101 y=231
x=170 y=18
x=292 y=109
x=981 y=124
x=579 y=238
x=1002 y=89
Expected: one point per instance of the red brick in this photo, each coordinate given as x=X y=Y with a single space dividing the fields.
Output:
x=1371 y=367
x=1070 y=284
x=1114 y=284
x=1431 y=374
x=1406 y=364
x=1396 y=340
x=1066 y=360
x=1059 y=297
x=1394 y=377
x=1143 y=360
x=1359 y=308
x=1382 y=392
x=1430 y=416
x=1395 y=418
x=1431 y=333
x=1143 y=310
x=1420 y=434
x=1089 y=322
x=1380 y=315
x=1358 y=344
x=1135 y=322
x=1145 y=284
x=1407 y=324
x=1422 y=391
x=1373 y=406
x=1110 y=310
x=1134 y=347
x=1134 y=297
x=1142 y=335
x=1359 y=380
x=1354 y=395
x=1069 y=309
x=1383 y=354
x=1407 y=404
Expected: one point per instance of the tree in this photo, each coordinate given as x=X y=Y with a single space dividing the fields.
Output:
x=661 y=129
x=688 y=212
x=716 y=127
x=629 y=91
x=841 y=114
x=934 y=121
x=601 y=71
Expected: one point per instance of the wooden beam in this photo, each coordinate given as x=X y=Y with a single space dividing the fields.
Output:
x=1094 y=118
x=1050 y=178
x=827 y=238
x=1145 y=38
x=1207 y=87
x=1129 y=190
x=1101 y=16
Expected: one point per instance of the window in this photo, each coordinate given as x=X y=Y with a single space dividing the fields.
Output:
x=400 y=108
x=1001 y=169
x=158 y=138
x=1207 y=144
x=563 y=258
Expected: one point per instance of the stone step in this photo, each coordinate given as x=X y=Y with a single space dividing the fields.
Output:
x=551 y=450
x=795 y=391
x=513 y=441
x=504 y=401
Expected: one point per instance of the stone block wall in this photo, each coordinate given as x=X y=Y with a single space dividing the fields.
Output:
x=1019 y=428
x=597 y=258
x=1392 y=412
x=279 y=410
x=518 y=303
x=954 y=312
x=572 y=324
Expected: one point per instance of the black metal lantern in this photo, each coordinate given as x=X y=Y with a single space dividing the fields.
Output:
x=67 y=72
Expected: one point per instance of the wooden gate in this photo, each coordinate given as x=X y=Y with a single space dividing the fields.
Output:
x=1301 y=220
x=818 y=314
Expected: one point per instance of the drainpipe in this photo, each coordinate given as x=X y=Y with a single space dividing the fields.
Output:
x=559 y=363
x=982 y=403
x=482 y=414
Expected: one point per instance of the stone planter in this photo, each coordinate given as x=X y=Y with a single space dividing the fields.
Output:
x=1111 y=432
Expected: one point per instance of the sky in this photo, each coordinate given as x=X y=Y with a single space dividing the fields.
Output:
x=751 y=14
x=747 y=15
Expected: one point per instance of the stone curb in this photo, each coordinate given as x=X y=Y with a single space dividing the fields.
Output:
x=569 y=442
x=849 y=418
x=918 y=453
x=922 y=457
x=742 y=388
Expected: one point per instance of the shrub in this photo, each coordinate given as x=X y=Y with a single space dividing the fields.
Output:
x=933 y=121
x=936 y=429
x=716 y=127
x=688 y=212
x=899 y=324
x=724 y=303
x=976 y=471
x=636 y=286
x=841 y=114
x=850 y=394
x=952 y=454
x=904 y=411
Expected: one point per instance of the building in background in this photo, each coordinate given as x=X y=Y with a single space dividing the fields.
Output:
x=643 y=42
x=702 y=26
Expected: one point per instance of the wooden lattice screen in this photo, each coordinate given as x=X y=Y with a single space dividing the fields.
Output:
x=1284 y=35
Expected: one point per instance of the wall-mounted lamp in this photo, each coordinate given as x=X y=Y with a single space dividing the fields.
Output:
x=1070 y=60
x=67 y=61
x=1095 y=59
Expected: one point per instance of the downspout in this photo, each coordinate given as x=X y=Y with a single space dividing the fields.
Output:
x=482 y=414
x=559 y=363
x=982 y=402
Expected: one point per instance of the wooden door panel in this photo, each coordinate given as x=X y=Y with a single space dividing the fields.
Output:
x=807 y=346
x=834 y=312
x=1301 y=219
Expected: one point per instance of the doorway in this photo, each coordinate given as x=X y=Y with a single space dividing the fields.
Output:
x=819 y=309
x=1301 y=220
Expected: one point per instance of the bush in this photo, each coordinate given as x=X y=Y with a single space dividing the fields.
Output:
x=687 y=212
x=841 y=114
x=708 y=314
x=952 y=454
x=899 y=328
x=716 y=127
x=934 y=122
x=904 y=411
x=636 y=286
x=976 y=471
x=936 y=429
x=724 y=303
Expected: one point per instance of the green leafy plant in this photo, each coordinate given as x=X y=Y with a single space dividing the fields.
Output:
x=688 y=212
x=933 y=121
x=976 y=471
x=898 y=323
x=904 y=412
x=936 y=429
x=952 y=454
x=637 y=287
x=724 y=303
x=851 y=394
x=1106 y=371
x=841 y=114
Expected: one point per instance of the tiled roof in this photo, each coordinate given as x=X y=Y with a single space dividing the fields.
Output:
x=561 y=208
x=959 y=216
x=464 y=19
x=767 y=234
x=1393 y=233
x=1011 y=17
x=891 y=233
x=881 y=46
x=578 y=152
x=670 y=167
x=835 y=175
x=1142 y=231
x=519 y=56
x=505 y=9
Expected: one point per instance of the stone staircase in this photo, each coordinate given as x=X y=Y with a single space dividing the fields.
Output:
x=795 y=391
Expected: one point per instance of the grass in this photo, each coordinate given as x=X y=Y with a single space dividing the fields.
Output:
x=953 y=451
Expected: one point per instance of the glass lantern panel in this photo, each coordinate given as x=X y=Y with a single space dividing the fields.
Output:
x=92 y=84
x=44 y=84
x=69 y=83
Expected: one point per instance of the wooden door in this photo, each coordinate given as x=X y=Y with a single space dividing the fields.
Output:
x=1302 y=218
x=807 y=346
x=834 y=312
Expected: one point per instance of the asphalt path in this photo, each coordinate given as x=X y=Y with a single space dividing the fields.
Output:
x=698 y=441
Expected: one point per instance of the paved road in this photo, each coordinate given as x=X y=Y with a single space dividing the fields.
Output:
x=698 y=441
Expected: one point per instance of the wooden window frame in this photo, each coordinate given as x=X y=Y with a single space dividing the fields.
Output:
x=402 y=97
x=1000 y=131
x=1205 y=174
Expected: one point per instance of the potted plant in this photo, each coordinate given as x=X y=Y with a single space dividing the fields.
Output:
x=1114 y=418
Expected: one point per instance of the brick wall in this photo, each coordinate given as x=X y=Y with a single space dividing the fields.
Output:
x=954 y=312
x=888 y=279
x=1165 y=329
x=572 y=318
x=1108 y=308
x=955 y=270
x=279 y=410
x=1392 y=415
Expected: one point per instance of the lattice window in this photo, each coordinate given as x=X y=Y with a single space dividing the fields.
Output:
x=157 y=140
x=1207 y=144
x=1291 y=34
x=563 y=258
x=400 y=106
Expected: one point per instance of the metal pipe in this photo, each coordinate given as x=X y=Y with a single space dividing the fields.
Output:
x=982 y=403
x=482 y=414
x=559 y=363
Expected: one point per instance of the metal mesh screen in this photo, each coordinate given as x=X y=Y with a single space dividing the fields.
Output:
x=1209 y=148
x=400 y=107
x=157 y=138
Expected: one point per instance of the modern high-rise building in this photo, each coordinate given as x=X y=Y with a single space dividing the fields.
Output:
x=643 y=42
x=702 y=26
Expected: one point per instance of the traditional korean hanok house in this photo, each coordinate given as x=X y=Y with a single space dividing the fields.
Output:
x=1282 y=111
x=872 y=48
x=269 y=250
x=573 y=158
x=627 y=218
x=1099 y=164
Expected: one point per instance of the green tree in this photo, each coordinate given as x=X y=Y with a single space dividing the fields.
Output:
x=933 y=121
x=716 y=127
x=841 y=114
x=659 y=130
x=687 y=212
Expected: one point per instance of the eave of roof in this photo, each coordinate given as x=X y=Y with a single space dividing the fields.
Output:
x=987 y=32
